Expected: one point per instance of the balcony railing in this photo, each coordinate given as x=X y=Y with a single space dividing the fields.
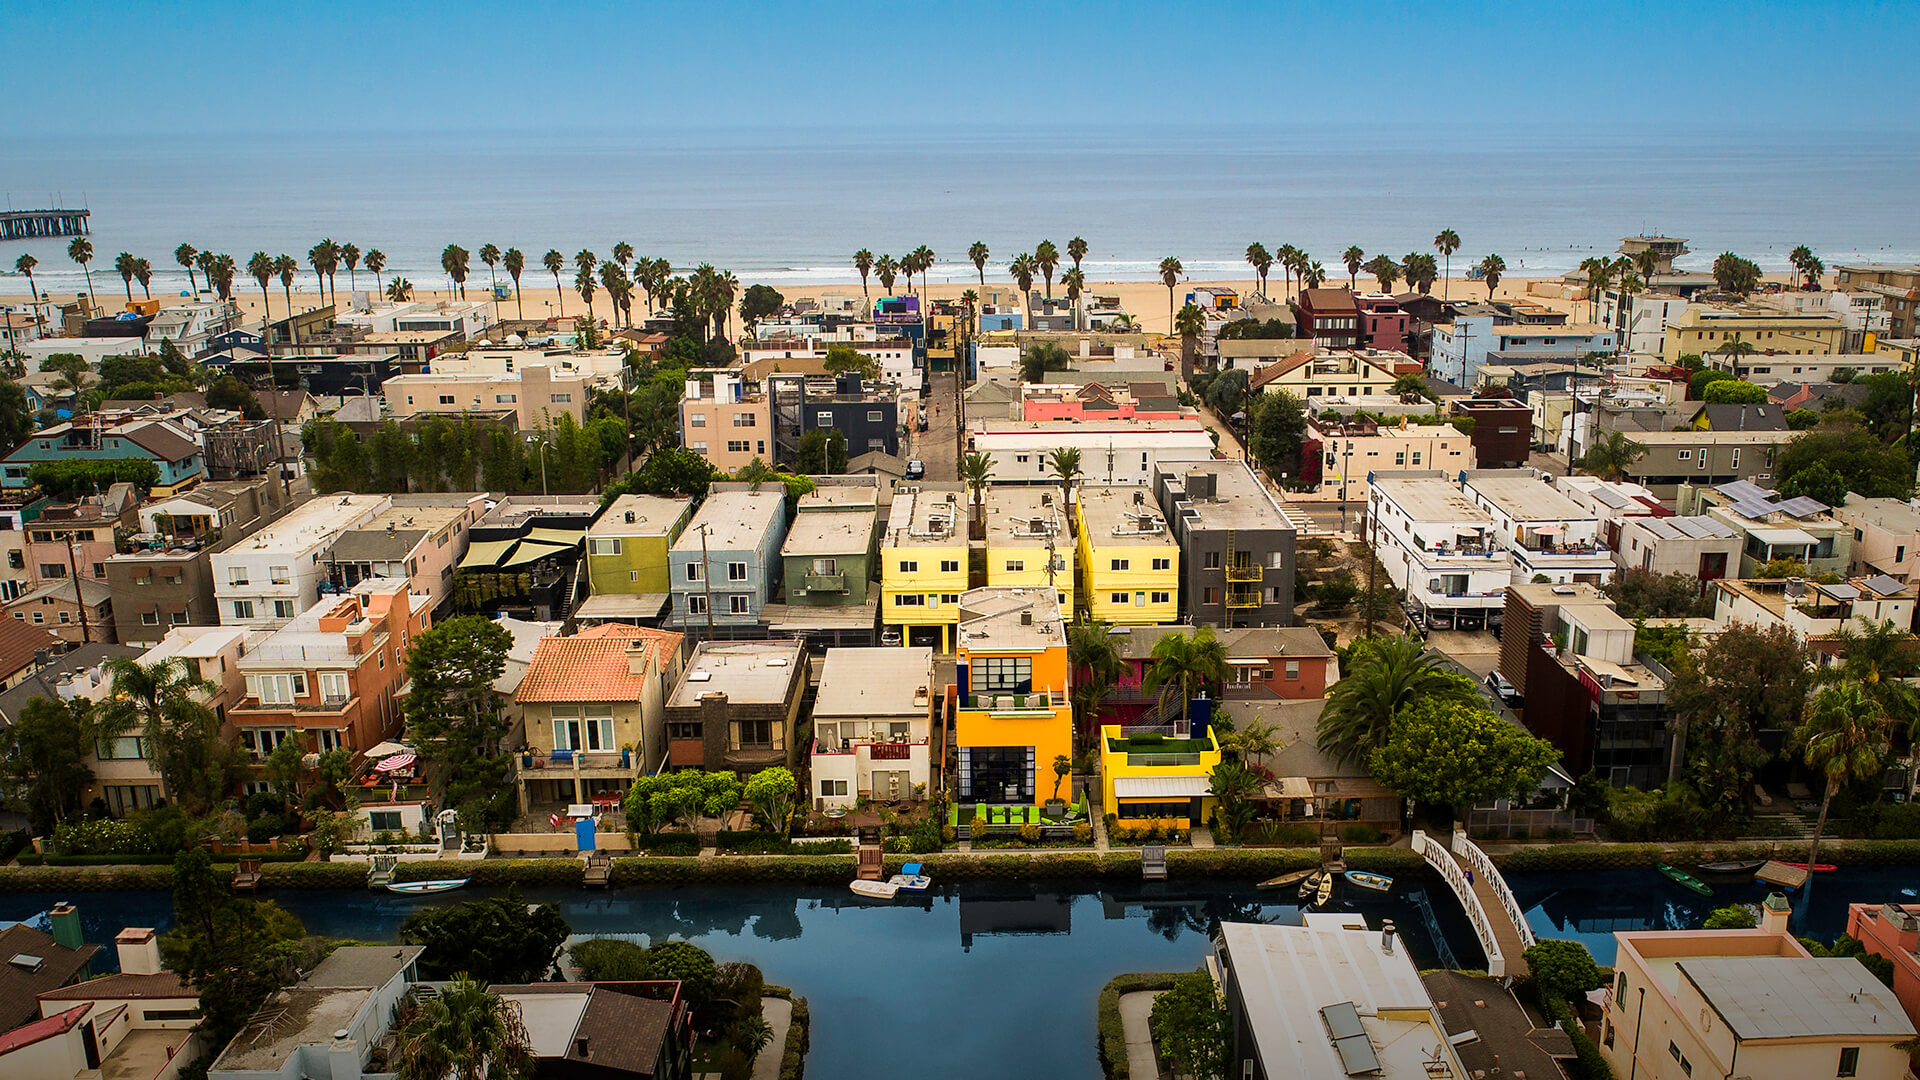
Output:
x=582 y=759
x=1244 y=573
x=1011 y=702
x=1243 y=598
x=825 y=582
x=1162 y=760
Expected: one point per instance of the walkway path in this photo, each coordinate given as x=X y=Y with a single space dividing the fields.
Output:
x=1504 y=932
x=778 y=1013
x=1135 y=1010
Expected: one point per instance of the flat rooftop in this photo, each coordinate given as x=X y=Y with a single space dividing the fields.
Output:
x=831 y=532
x=1431 y=497
x=1010 y=618
x=1893 y=515
x=1239 y=501
x=1011 y=511
x=1786 y=997
x=840 y=497
x=308 y=525
x=929 y=517
x=748 y=672
x=361 y=965
x=874 y=682
x=1523 y=497
x=733 y=520
x=1122 y=515
x=653 y=515
x=286 y=1021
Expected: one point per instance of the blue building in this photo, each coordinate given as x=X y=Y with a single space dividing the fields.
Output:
x=726 y=564
x=179 y=458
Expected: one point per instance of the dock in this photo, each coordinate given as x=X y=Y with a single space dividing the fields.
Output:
x=1779 y=873
x=34 y=224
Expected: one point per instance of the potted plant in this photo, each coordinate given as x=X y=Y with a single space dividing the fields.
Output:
x=1062 y=768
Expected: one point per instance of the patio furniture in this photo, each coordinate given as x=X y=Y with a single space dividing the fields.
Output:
x=599 y=871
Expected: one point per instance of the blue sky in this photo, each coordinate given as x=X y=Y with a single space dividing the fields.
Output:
x=272 y=66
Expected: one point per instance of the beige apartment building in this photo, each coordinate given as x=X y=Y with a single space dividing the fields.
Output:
x=538 y=395
x=726 y=419
x=1352 y=450
x=1703 y=329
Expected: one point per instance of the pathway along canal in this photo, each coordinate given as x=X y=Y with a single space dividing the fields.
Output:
x=999 y=978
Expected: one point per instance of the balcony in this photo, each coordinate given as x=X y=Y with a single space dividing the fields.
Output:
x=824 y=583
x=587 y=764
x=1243 y=598
x=1009 y=702
x=1245 y=573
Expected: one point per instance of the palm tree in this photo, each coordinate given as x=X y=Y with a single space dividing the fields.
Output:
x=1355 y=259
x=24 y=265
x=165 y=704
x=923 y=260
x=184 y=255
x=317 y=257
x=350 y=254
x=1261 y=261
x=376 y=262
x=287 y=266
x=123 y=262
x=554 y=262
x=584 y=285
x=1286 y=255
x=1599 y=273
x=81 y=251
x=1315 y=275
x=1170 y=271
x=453 y=259
x=1023 y=268
x=1075 y=282
x=1256 y=740
x=220 y=270
x=1845 y=737
x=465 y=1032
x=1046 y=257
x=205 y=261
x=976 y=469
x=400 y=290
x=1446 y=243
x=622 y=254
x=143 y=273
x=721 y=287
x=261 y=267
x=1881 y=658
x=1065 y=461
x=1184 y=664
x=1190 y=323
x=1610 y=455
x=490 y=255
x=1386 y=675
x=863 y=262
x=1384 y=270
x=1095 y=661
x=752 y=1034
x=1491 y=268
x=977 y=254
x=1076 y=250
x=515 y=261
x=887 y=270
x=612 y=279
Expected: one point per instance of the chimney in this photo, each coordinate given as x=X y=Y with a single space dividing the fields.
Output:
x=139 y=950
x=343 y=1057
x=1774 y=913
x=581 y=1046
x=637 y=656
x=1386 y=937
x=66 y=926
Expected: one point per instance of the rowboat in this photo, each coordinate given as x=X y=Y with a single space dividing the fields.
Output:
x=1287 y=879
x=1818 y=868
x=874 y=890
x=910 y=879
x=422 y=888
x=1733 y=866
x=1685 y=880
x=1325 y=892
x=1311 y=883
x=1376 y=882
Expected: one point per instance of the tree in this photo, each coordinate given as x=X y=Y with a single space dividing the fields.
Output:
x=688 y=963
x=184 y=255
x=1076 y=250
x=1863 y=465
x=1736 y=275
x=1191 y=1028
x=1355 y=259
x=490 y=255
x=1610 y=455
x=555 y=262
x=863 y=262
x=1170 y=271
x=350 y=254
x=976 y=470
x=16 y=416
x=1802 y=419
x=167 y=706
x=232 y=951
x=1065 y=462
x=674 y=470
x=400 y=290
x=453 y=260
x=123 y=263
x=1845 y=738
x=81 y=252
x=501 y=939
x=1227 y=393
x=977 y=255
x=1022 y=269
x=1036 y=360
x=260 y=268
x=1744 y=681
x=1881 y=659
x=454 y=715
x=771 y=793
x=759 y=302
x=1698 y=382
x=1491 y=268
x=376 y=262
x=1261 y=261
x=1384 y=270
x=1643 y=594
x=465 y=1032
x=1446 y=243
x=1383 y=677
x=1731 y=917
x=1190 y=323
x=1562 y=969
x=611 y=960
x=1046 y=257
x=44 y=759
x=1735 y=392
x=25 y=265
x=227 y=392
x=1096 y=664
x=1183 y=665
x=515 y=261
x=1233 y=786
x=584 y=284
x=286 y=266
x=1459 y=754
x=886 y=269
x=1275 y=431
x=843 y=358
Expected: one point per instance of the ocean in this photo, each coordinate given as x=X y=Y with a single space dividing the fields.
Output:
x=790 y=208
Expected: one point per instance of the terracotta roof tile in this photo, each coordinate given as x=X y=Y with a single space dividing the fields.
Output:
x=1280 y=367
x=165 y=984
x=18 y=642
x=592 y=665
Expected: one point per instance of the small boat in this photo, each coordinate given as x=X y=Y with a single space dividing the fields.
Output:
x=1311 y=883
x=422 y=888
x=1818 y=868
x=1732 y=866
x=1685 y=880
x=1325 y=891
x=874 y=890
x=910 y=879
x=1376 y=882
x=1287 y=879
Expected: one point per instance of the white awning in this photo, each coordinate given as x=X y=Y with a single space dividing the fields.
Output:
x=1783 y=536
x=1161 y=787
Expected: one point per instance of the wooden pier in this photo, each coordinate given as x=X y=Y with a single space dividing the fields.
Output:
x=34 y=224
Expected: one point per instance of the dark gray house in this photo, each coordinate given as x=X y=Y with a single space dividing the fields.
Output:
x=869 y=416
x=1236 y=543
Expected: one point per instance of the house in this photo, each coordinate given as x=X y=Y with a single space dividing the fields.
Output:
x=63 y=958
x=1329 y=316
x=1546 y=534
x=606 y=1030
x=727 y=419
x=139 y=1022
x=172 y=451
x=1893 y=931
x=1802 y=529
x=1699 y=546
x=1814 y=610
x=829 y=562
x=267 y=577
x=21 y=646
x=1710 y=417
x=594 y=707
x=1236 y=543
x=1013 y=717
x=1501 y=430
x=1308 y=787
x=46 y=542
x=1111 y=451
x=1748 y=1003
x=872 y=726
x=1670 y=459
x=1773 y=369
x=324 y=372
x=1439 y=545
x=324 y=1027
x=1338 y=456
x=125 y=774
x=1152 y=778
x=420 y=538
x=627 y=547
x=329 y=677
x=1309 y=373
x=1898 y=287
x=736 y=706
x=1493 y=1034
x=523 y=556
x=1129 y=560
x=1383 y=322
x=77 y=610
x=166 y=580
x=123 y=778
x=867 y=415
x=1028 y=541
x=1886 y=535
x=923 y=563
x=537 y=394
x=724 y=565
x=1264 y=663
x=1705 y=330
x=1329 y=998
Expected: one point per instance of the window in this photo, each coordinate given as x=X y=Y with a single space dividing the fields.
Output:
x=1686 y=455
x=1163 y=564
x=446 y=399
x=743 y=419
x=909 y=566
x=873 y=416
x=756 y=733
x=149 y=618
x=1162 y=597
x=278 y=689
x=604 y=547
x=1209 y=561
x=826 y=566
x=66 y=617
x=696 y=420
x=1416 y=457
x=279 y=575
x=333 y=686
x=1121 y=564
x=1735 y=463
x=1849 y=1061
x=909 y=600
x=737 y=604
x=695 y=570
x=736 y=571
x=830 y=788
x=1210 y=594
x=283 y=609
x=505 y=399
x=824 y=418
x=329 y=740
x=1013 y=673
x=697 y=447
x=52 y=570
x=560 y=399
x=243 y=609
x=384 y=820
x=738 y=446
x=1015 y=566
x=1702 y=459
x=1118 y=598
x=1400 y=457
x=696 y=604
x=949 y=597
x=125 y=748
x=683 y=729
x=1293 y=669
x=633 y=575
x=949 y=566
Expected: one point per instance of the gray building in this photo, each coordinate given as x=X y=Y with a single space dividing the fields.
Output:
x=166 y=580
x=726 y=563
x=1236 y=543
x=869 y=416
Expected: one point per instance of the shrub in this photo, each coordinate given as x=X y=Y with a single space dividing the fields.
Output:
x=668 y=844
x=1361 y=834
x=1276 y=834
x=1030 y=834
x=1082 y=833
x=687 y=962
x=1112 y=1036
x=741 y=984
x=611 y=959
x=1562 y=968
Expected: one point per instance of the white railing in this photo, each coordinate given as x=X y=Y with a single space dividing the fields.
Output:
x=1438 y=858
x=1483 y=866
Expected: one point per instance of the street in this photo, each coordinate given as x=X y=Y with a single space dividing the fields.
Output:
x=935 y=445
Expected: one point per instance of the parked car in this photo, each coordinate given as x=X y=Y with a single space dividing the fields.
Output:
x=889 y=637
x=916 y=469
x=1504 y=690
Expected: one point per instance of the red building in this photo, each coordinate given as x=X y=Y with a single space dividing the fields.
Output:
x=1383 y=322
x=1502 y=434
x=1892 y=931
x=1263 y=663
x=1330 y=317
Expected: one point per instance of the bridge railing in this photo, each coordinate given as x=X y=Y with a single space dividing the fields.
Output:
x=1438 y=857
x=1474 y=857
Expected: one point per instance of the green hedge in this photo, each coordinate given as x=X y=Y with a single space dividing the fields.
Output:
x=793 y=1056
x=85 y=878
x=682 y=844
x=493 y=871
x=1617 y=856
x=757 y=842
x=1588 y=1062
x=1112 y=1033
x=805 y=869
x=228 y=861
x=314 y=875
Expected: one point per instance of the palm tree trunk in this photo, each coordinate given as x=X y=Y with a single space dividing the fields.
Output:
x=1819 y=826
x=562 y=297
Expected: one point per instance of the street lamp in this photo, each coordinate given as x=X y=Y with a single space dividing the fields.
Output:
x=543 y=468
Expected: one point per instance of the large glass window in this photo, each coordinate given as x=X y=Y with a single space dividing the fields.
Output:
x=1013 y=673
x=997 y=773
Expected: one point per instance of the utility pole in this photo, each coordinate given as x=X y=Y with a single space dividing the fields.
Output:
x=1373 y=570
x=706 y=576
x=79 y=598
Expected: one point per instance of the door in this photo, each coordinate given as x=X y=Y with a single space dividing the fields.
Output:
x=90 y=1045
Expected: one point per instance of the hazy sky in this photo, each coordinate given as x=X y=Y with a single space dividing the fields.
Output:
x=85 y=67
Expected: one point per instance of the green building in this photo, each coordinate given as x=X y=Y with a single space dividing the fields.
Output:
x=627 y=547
x=829 y=553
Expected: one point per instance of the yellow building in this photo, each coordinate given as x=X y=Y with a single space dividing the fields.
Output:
x=1026 y=531
x=1128 y=558
x=1014 y=716
x=923 y=564
x=1704 y=329
x=1153 y=779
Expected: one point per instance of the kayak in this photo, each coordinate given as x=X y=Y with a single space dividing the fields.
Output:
x=422 y=888
x=1685 y=880
x=1311 y=884
x=1287 y=879
x=1733 y=866
x=1818 y=868
x=1326 y=891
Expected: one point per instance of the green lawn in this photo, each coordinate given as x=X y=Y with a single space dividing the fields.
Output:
x=1146 y=744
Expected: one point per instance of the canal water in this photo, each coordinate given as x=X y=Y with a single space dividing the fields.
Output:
x=1000 y=978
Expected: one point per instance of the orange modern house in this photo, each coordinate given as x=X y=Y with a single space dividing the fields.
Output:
x=330 y=677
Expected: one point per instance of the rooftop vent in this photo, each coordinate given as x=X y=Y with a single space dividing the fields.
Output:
x=778 y=661
x=630 y=517
x=699 y=676
x=1026 y=616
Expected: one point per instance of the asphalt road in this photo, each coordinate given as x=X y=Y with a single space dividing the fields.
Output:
x=935 y=445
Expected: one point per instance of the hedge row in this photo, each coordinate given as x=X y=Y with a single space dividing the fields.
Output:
x=1618 y=856
x=793 y=1056
x=1111 y=1034
x=219 y=861
x=85 y=878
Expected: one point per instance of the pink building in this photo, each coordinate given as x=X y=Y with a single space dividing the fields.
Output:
x=1097 y=401
x=1892 y=931
x=1383 y=322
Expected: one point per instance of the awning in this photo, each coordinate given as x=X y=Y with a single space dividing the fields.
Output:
x=530 y=551
x=622 y=606
x=567 y=537
x=1287 y=787
x=395 y=763
x=1161 y=787
x=388 y=749
x=486 y=554
x=1783 y=536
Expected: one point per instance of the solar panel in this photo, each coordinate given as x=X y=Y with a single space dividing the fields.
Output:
x=1840 y=592
x=1350 y=1039
x=1884 y=585
x=1743 y=489
x=1755 y=508
x=1802 y=506
x=1610 y=497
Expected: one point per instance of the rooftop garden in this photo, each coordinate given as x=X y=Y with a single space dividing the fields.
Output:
x=1158 y=744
